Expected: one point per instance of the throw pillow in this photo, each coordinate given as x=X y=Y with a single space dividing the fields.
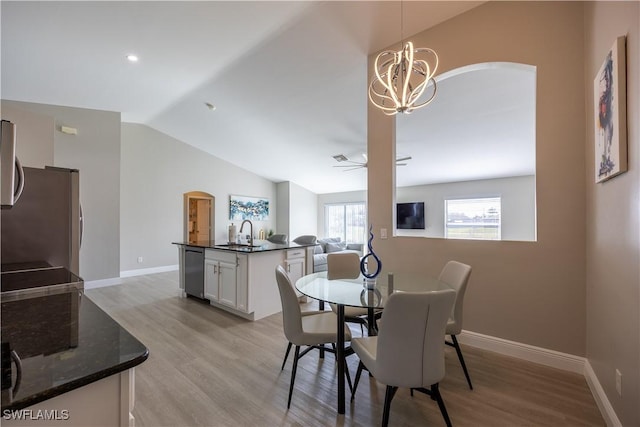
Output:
x=326 y=240
x=336 y=247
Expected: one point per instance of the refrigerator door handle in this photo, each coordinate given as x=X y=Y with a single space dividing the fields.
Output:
x=81 y=225
x=20 y=183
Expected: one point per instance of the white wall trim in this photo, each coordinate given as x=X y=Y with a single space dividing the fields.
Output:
x=93 y=284
x=543 y=356
x=552 y=358
x=600 y=397
x=152 y=270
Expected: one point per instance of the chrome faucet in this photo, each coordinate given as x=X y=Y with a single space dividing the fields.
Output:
x=250 y=231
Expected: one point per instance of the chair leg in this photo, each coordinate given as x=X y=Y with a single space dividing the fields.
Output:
x=355 y=383
x=346 y=372
x=435 y=392
x=464 y=366
x=388 y=396
x=286 y=355
x=296 y=356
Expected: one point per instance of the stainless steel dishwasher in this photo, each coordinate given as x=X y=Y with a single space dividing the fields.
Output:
x=194 y=271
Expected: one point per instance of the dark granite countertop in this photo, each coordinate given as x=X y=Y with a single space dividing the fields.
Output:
x=262 y=246
x=64 y=342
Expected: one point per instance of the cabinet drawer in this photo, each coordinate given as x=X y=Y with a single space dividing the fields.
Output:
x=224 y=256
x=295 y=253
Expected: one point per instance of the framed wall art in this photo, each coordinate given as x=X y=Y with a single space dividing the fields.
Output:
x=252 y=208
x=610 y=101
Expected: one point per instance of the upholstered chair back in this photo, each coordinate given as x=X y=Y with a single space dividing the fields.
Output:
x=456 y=275
x=410 y=347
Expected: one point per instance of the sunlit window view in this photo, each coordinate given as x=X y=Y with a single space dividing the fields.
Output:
x=473 y=218
x=346 y=220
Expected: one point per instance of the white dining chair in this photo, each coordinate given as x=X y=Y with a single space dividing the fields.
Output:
x=456 y=275
x=409 y=348
x=346 y=265
x=311 y=329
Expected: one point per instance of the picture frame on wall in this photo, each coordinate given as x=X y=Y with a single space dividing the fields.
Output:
x=610 y=102
x=251 y=208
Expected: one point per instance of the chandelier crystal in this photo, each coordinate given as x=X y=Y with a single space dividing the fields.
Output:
x=402 y=78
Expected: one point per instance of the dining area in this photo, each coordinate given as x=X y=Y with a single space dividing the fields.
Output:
x=211 y=368
x=403 y=319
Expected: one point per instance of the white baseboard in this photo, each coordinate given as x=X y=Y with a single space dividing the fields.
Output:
x=543 y=356
x=143 y=271
x=600 y=397
x=552 y=358
x=93 y=284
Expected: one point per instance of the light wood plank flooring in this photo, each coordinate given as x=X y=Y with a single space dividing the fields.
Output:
x=210 y=368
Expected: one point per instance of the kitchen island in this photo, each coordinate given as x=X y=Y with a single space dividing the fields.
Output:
x=240 y=278
x=64 y=360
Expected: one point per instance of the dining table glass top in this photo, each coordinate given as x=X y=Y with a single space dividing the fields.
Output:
x=359 y=293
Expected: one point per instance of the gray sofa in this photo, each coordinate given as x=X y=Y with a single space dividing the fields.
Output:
x=332 y=244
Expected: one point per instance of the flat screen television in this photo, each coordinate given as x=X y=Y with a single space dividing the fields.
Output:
x=410 y=216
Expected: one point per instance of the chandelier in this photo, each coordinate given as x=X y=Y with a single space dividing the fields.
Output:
x=402 y=78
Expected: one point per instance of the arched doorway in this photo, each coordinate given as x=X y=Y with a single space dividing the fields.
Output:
x=199 y=216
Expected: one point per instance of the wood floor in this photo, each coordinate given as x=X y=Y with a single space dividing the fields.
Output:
x=210 y=368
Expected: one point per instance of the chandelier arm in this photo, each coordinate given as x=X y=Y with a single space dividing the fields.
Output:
x=384 y=65
x=381 y=106
x=390 y=85
x=431 y=98
x=408 y=57
x=431 y=52
x=382 y=95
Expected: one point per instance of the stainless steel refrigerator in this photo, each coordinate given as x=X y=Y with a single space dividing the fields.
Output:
x=43 y=225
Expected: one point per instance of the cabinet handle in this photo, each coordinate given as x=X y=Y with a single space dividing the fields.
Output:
x=288 y=268
x=215 y=269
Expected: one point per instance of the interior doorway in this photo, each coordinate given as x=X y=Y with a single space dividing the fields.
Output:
x=199 y=214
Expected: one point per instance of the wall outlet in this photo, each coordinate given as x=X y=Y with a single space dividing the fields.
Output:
x=383 y=233
x=619 y=382
x=139 y=260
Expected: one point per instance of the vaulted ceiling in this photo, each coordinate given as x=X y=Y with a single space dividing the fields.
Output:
x=288 y=79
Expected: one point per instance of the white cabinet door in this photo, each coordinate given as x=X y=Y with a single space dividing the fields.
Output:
x=295 y=268
x=227 y=283
x=295 y=265
x=211 y=280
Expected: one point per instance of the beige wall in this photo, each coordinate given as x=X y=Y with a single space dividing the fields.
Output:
x=613 y=232
x=530 y=292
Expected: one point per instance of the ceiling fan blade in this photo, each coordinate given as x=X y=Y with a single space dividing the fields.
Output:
x=401 y=164
x=354 y=168
x=402 y=159
x=357 y=165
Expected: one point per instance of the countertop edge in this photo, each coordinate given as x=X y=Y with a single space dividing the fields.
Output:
x=75 y=384
x=266 y=247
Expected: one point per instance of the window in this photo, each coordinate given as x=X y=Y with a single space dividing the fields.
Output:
x=346 y=220
x=473 y=218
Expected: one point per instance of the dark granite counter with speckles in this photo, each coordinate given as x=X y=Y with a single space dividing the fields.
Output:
x=64 y=342
x=263 y=246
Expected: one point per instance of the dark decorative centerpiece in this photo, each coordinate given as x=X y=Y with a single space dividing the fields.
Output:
x=365 y=265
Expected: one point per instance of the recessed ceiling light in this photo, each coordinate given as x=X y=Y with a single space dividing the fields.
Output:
x=210 y=106
x=132 y=58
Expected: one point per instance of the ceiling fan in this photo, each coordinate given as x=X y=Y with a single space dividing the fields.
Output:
x=358 y=165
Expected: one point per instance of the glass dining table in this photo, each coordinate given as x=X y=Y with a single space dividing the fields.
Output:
x=360 y=293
